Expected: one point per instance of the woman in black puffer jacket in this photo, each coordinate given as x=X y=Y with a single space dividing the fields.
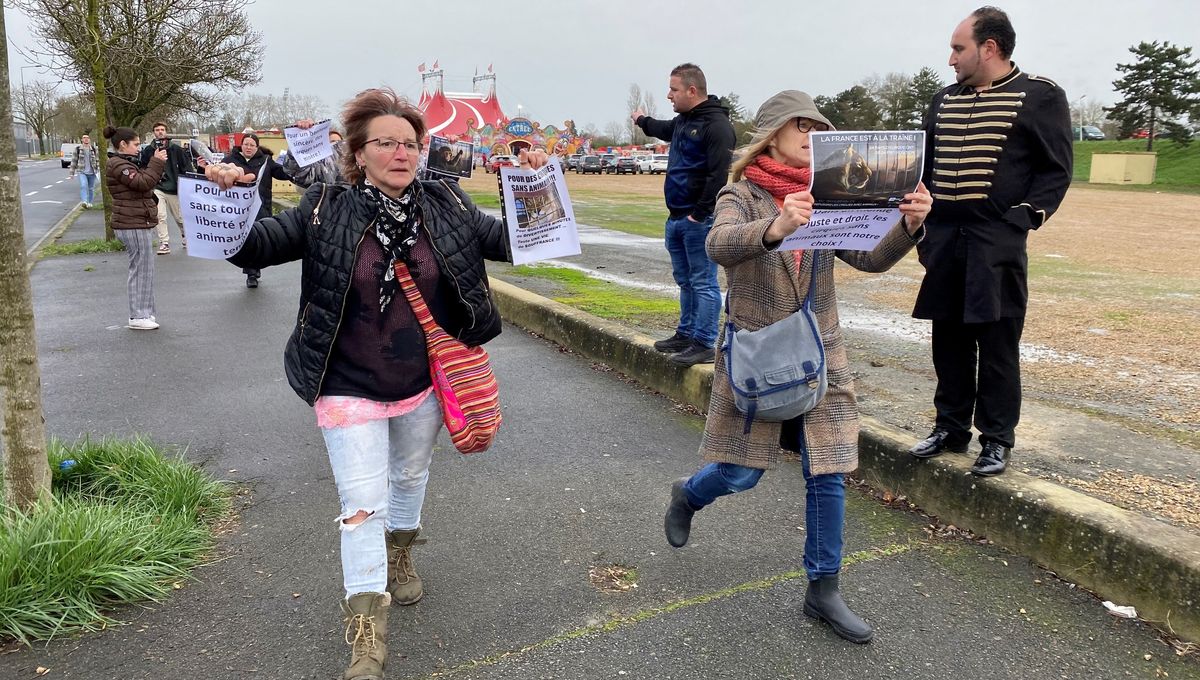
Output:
x=255 y=160
x=358 y=354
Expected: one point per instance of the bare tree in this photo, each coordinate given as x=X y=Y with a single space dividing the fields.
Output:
x=74 y=116
x=36 y=105
x=649 y=103
x=250 y=109
x=151 y=52
x=616 y=132
x=634 y=103
x=22 y=426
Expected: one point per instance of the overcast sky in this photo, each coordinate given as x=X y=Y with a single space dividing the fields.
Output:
x=577 y=58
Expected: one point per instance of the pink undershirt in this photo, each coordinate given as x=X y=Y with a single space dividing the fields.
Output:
x=337 y=411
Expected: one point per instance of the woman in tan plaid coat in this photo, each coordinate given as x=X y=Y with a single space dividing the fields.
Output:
x=768 y=200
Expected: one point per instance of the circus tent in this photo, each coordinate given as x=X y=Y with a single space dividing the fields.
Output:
x=450 y=114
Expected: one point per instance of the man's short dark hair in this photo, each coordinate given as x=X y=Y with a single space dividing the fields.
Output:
x=160 y=124
x=992 y=23
x=691 y=76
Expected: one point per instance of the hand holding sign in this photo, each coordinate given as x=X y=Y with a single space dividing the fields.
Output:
x=916 y=207
x=215 y=219
x=796 y=212
x=536 y=160
x=227 y=174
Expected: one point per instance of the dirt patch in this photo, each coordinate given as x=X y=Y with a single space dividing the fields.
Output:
x=1172 y=499
x=613 y=578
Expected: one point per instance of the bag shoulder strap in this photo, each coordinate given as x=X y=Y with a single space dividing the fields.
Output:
x=413 y=294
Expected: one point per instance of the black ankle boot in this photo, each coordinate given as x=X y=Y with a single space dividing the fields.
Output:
x=825 y=603
x=678 y=522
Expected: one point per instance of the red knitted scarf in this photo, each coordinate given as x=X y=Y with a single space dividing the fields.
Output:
x=777 y=178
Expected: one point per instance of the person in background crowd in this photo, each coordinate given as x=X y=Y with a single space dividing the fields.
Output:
x=167 y=191
x=358 y=353
x=702 y=141
x=990 y=189
x=257 y=161
x=134 y=215
x=768 y=200
x=324 y=170
x=85 y=163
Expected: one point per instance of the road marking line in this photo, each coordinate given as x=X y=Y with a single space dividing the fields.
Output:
x=36 y=202
x=48 y=186
x=31 y=193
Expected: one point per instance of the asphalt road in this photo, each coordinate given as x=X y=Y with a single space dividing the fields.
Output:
x=577 y=479
x=46 y=196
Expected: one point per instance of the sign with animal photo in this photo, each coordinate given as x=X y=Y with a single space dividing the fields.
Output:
x=859 y=180
x=538 y=214
x=450 y=158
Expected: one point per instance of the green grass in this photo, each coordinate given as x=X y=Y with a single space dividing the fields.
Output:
x=124 y=525
x=95 y=245
x=1178 y=166
x=604 y=299
x=631 y=214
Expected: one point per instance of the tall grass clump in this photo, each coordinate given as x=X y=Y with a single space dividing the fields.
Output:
x=123 y=525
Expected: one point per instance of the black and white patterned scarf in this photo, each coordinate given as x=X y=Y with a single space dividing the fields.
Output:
x=396 y=226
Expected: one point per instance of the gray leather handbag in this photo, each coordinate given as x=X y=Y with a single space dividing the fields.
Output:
x=777 y=373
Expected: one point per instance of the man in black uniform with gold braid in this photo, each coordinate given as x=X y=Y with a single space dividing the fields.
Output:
x=998 y=162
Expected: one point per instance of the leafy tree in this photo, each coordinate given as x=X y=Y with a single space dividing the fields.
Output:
x=743 y=120
x=852 y=109
x=22 y=428
x=922 y=88
x=893 y=96
x=1163 y=83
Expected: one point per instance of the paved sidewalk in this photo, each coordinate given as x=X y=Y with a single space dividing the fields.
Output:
x=578 y=479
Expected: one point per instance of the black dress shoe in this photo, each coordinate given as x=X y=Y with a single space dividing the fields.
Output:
x=992 y=460
x=694 y=354
x=939 y=440
x=824 y=602
x=678 y=522
x=252 y=282
x=673 y=344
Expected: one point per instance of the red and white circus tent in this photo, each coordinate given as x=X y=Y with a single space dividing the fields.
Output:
x=448 y=113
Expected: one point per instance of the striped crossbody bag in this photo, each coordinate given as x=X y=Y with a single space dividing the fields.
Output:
x=462 y=377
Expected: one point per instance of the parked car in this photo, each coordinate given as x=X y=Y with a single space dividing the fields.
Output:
x=622 y=165
x=1088 y=132
x=589 y=164
x=573 y=161
x=658 y=166
x=500 y=161
x=66 y=153
x=643 y=163
x=607 y=159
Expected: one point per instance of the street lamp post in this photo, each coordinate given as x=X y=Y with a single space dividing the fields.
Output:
x=1079 y=107
x=24 y=102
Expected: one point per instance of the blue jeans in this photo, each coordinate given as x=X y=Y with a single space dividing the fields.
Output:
x=381 y=467
x=699 y=293
x=87 y=188
x=824 y=511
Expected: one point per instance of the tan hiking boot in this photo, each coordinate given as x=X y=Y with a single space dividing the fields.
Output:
x=403 y=582
x=366 y=633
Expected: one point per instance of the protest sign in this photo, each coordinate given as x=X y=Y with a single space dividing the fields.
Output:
x=450 y=158
x=309 y=146
x=216 y=221
x=858 y=181
x=538 y=213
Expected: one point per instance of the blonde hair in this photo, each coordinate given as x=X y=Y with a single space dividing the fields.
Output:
x=745 y=156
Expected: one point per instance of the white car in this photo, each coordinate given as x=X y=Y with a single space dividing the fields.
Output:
x=643 y=163
x=658 y=163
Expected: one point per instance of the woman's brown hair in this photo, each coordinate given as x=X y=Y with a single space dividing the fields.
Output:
x=357 y=116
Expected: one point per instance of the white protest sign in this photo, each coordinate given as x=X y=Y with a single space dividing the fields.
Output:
x=309 y=146
x=858 y=180
x=538 y=213
x=216 y=222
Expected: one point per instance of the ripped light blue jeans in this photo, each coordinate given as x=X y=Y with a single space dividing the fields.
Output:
x=381 y=467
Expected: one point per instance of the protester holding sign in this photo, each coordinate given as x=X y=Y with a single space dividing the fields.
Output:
x=358 y=353
x=324 y=170
x=257 y=161
x=135 y=213
x=768 y=200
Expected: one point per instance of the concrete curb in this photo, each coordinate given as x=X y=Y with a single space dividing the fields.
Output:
x=35 y=251
x=1120 y=555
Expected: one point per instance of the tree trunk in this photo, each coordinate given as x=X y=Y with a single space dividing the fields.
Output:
x=22 y=425
x=98 y=87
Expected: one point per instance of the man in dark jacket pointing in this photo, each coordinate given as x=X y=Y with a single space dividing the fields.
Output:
x=702 y=142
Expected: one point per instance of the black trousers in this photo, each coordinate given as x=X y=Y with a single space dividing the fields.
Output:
x=979 y=373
